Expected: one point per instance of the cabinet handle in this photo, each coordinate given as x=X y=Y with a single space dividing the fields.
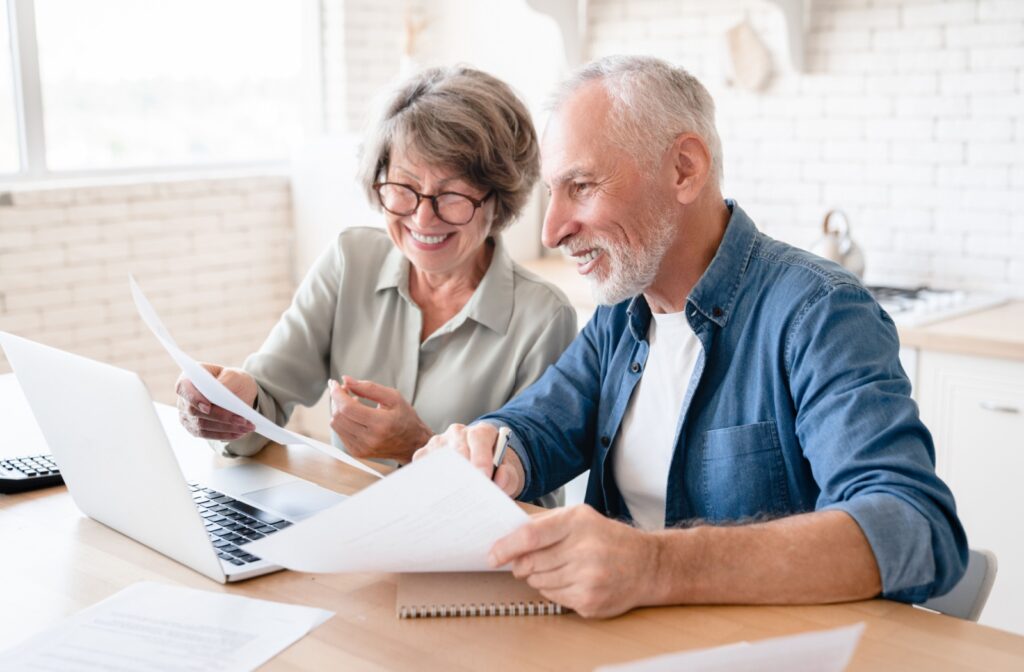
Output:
x=999 y=408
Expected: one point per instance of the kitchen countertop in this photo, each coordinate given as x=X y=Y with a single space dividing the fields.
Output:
x=991 y=332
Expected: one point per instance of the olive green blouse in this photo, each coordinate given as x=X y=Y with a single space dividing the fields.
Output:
x=353 y=315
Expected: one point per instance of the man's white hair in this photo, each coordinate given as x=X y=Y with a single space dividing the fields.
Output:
x=652 y=103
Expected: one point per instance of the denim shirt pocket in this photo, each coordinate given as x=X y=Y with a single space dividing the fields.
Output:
x=744 y=473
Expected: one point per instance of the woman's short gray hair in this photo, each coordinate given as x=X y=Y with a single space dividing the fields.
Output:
x=463 y=120
x=652 y=103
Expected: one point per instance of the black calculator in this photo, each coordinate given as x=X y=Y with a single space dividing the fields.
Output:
x=18 y=474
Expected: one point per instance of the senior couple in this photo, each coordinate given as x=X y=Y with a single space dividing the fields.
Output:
x=739 y=402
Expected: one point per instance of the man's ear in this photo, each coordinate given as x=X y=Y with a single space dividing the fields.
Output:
x=690 y=166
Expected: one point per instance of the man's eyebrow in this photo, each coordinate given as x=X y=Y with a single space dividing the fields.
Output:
x=574 y=173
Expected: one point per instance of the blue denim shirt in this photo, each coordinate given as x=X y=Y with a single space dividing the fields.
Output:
x=798 y=403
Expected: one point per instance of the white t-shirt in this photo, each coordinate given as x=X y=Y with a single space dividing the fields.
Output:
x=643 y=449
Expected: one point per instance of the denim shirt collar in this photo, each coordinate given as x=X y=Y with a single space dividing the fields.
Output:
x=715 y=292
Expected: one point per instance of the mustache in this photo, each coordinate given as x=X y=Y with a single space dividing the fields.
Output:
x=574 y=248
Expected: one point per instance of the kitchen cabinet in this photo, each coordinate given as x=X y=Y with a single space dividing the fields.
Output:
x=974 y=407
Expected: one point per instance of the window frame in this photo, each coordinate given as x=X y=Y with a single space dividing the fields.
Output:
x=28 y=101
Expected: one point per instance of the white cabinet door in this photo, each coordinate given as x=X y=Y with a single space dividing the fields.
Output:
x=974 y=407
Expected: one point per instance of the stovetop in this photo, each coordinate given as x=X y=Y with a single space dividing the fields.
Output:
x=917 y=306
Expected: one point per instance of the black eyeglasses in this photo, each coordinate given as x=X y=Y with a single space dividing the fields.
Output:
x=450 y=207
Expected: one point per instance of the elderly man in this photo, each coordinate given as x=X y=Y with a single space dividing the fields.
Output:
x=739 y=402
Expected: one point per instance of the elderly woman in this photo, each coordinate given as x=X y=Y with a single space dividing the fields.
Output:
x=428 y=322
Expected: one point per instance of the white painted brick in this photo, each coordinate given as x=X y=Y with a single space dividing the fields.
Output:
x=932 y=106
x=858 y=106
x=901 y=174
x=169 y=246
x=21 y=322
x=834 y=171
x=1008 y=105
x=953 y=175
x=985 y=35
x=918 y=196
x=98 y=211
x=997 y=58
x=930 y=242
x=857 y=194
x=217 y=204
x=908 y=38
x=988 y=245
x=843 y=39
x=103 y=252
x=161 y=208
x=899 y=129
x=939 y=13
x=863 y=17
x=927 y=151
x=831 y=129
x=903 y=84
x=814 y=84
x=902 y=219
x=42 y=196
x=63 y=317
x=14 y=239
x=971 y=130
x=41 y=258
x=36 y=299
x=855 y=63
x=31 y=216
x=956 y=266
x=992 y=199
x=958 y=218
x=944 y=60
x=990 y=10
x=113 y=192
x=978 y=82
x=995 y=152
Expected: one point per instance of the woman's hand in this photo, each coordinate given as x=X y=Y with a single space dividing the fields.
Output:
x=391 y=430
x=203 y=419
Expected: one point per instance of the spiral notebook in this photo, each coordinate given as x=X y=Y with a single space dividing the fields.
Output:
x=435 y=594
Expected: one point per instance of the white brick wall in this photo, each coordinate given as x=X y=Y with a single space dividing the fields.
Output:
x=213 y=255
x=910 y=117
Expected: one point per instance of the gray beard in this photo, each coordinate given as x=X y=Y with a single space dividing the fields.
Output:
x=633 y=271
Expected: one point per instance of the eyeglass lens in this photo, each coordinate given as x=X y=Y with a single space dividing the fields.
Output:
x=450 y=207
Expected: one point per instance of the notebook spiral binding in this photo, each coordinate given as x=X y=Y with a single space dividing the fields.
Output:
x=492 y=609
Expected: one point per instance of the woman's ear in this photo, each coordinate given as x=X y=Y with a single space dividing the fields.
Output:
x=690 y=166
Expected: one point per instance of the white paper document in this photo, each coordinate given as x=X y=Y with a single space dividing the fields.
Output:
x=821 y=651
x=152 y=626
x=438 y=514
x=213 y=390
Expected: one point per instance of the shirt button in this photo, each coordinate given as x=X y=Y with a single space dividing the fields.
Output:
x=635 y=367
x=605 y=441
x=716 y=311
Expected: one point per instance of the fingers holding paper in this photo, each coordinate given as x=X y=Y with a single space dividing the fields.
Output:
x=578 y=558
x=477 y=443
x=207 y=420
x=391 y=429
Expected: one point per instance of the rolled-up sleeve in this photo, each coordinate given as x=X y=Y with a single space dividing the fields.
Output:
x=870 y=454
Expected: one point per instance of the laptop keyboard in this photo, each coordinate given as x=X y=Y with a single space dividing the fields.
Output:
x=230 y=522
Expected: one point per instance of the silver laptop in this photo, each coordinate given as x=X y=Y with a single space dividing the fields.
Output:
x=109 y=444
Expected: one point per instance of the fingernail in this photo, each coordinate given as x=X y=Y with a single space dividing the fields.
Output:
x=492 y=560
x=204 y=407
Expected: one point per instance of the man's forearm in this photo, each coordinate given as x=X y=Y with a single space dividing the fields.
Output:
x=809 y=558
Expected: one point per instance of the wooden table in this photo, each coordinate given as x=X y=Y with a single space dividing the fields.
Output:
x=54 y=562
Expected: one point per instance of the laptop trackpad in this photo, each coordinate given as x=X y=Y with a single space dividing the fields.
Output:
x=296 y=500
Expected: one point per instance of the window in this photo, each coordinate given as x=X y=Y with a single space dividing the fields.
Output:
x=9 y=154
x=147 y=83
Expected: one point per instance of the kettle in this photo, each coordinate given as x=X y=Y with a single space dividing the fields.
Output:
x=837 y=245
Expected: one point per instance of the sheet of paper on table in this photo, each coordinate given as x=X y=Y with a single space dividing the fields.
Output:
x=437 y=514
x=821 y=651
x=213 y=390
x=154 y=626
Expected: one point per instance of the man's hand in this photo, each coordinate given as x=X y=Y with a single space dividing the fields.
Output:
x=201 y=418
x=476 y=443
x=391 y=430
x=579 y=559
